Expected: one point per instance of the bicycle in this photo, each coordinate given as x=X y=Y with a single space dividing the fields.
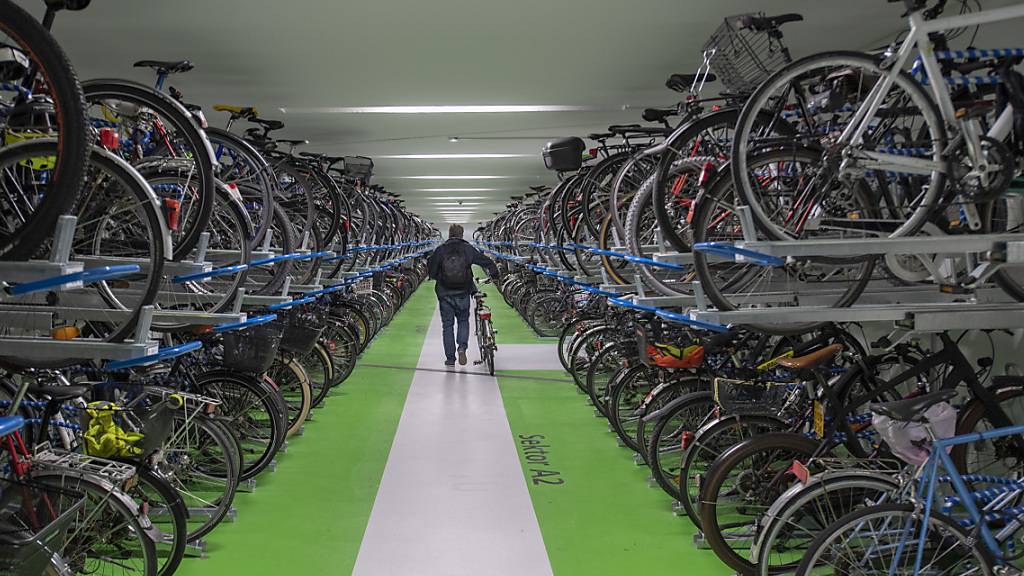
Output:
x=484 y=331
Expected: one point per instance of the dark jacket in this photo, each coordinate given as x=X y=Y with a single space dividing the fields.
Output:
x=472 y=255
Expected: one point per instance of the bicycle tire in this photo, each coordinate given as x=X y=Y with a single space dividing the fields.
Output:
x=73 y=136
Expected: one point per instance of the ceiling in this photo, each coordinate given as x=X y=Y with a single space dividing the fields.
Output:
x=297 y=60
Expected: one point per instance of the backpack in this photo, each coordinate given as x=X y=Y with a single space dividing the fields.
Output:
x=455 y=272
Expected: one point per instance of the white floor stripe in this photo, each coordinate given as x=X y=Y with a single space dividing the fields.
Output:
x=526 y=356
x=453 y=500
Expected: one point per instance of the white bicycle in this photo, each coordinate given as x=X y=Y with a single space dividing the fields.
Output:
x=880 y=145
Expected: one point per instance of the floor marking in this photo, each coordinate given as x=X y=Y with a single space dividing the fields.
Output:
x=453 y=500
x=502 y=375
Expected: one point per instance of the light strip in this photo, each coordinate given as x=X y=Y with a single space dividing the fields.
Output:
x=456 y=204
x=459 y=189
x=454 y=177
x=457 y=198
x=452 y=156
x=473 y=109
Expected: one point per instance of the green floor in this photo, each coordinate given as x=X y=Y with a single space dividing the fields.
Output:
x=596 y=512
x=308 y=517
x=597 y=515
x=511 y=327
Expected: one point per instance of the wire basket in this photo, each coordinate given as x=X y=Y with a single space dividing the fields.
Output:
x=252 y=350
x=750 y=397
x=301 y=331
x=742 y=57
x=34 y=518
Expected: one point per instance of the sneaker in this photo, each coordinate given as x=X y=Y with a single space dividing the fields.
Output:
x=449 y=365
x=462 y=357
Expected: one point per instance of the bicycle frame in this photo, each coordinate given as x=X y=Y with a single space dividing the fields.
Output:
x=917 y=39
x=940 y=457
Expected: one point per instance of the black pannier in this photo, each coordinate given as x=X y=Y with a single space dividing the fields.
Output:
x=564 y=154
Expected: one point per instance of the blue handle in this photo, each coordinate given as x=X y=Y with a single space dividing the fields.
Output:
x=684 y=319
x=290 y=303
x=224 y=271
x=627 y=304
x=629 y=257
x=278 y=258
x=598 y=291
x=244 y=324
x=731 y=251
x=161 y=354
x=10 y=424
x=322 y=291
x=314 y=255
x=98 y=274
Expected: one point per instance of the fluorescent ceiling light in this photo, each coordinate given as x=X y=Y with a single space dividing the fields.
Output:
x=454 y=177
x=472 y=109
x=457 y=189
x=452 y=156
x=457 y=198
x=456 y=204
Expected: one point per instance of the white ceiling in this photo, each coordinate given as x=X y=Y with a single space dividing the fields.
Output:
x=317 y=54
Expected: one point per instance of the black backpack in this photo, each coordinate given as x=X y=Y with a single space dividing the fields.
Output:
x=455 y=273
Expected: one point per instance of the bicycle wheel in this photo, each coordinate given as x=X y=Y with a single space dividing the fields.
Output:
x=625 y=398
x=118 y=222
x=674 y=426
x=545 y=315
x=292 y=382
x=343 y=345
x=818 y=96
x=708 y=443
x=241 y=166
x=741 y=485
x=642 y=231
x=678 y=385
x=250 y=408
x=602 y=371
x=166 y=510
x=804 y=511
x=111 y=534
x=884 y=539
x=25 y=220
x=730 y=285
x=154 y=128
x=319 y=365
x=199 y=461
x=229 y=230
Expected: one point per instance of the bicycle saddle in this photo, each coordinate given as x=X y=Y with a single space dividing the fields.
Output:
x=911 y=409
x=812 y=360
x=658 y=114
x=540 y=189
x=59 y=392
x=72 y=5
x=166 y=66
x=762 y=23
x=683 y=82
x=241 y=110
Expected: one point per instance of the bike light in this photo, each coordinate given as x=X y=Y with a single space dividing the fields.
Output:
x=109 y=139
x=172 y=212
x=685 y=439
x=485 y=315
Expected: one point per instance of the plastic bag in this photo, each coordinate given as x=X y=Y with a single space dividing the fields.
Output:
x=908 y=440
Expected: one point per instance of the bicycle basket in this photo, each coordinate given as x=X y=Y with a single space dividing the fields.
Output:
x=742 y=57
x=34 y=518
x=253 y=349
x=750 y=397
x=301 y=331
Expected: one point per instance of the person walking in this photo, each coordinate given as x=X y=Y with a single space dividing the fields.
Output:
x=451 y=266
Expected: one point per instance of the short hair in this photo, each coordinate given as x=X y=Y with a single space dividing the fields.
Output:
x=455 y=231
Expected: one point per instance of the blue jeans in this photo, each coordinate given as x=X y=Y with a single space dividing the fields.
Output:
x=454 y=306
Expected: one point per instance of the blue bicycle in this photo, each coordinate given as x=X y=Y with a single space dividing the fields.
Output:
x=942 y=522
